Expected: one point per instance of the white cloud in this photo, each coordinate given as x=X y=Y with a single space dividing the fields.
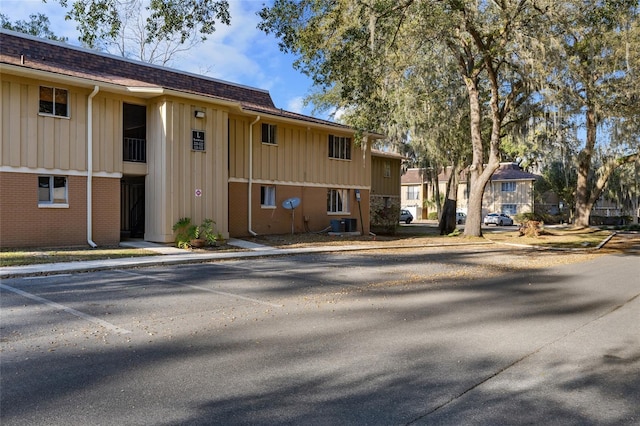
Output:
x=296 y=105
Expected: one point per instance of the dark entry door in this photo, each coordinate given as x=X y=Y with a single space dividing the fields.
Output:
x=132 y=207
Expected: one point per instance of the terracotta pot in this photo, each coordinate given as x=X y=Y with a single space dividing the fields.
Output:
x=197 y=243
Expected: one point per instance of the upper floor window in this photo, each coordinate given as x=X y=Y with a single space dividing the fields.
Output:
x=54 y=101
x=508 y=186
x=269 y=132
x=387 y=169
x=52 y=190
x=413 y=192
x=339 y=147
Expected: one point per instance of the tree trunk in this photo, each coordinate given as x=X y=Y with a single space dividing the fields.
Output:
x=583 y=206
x=479 y=175
x=472 y=227
x=447 y=223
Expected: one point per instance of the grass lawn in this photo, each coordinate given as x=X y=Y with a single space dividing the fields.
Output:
x=17 y=257
x=556 y=237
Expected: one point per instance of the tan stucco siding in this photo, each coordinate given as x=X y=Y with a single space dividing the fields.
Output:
x=176 y=172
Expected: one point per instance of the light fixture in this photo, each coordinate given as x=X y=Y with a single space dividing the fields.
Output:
x=199 y=114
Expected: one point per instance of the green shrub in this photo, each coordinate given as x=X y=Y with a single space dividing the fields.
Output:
x=184 y=232
x=433 y=216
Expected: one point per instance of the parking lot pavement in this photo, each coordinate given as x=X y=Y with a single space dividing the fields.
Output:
x=424 y=337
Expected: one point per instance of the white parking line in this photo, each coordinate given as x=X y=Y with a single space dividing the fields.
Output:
x=222 y=293
x=67 y=309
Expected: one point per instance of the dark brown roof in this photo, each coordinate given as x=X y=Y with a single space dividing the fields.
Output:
x=511 y=171
x=30 y=52
x=413 y=176
x=46 y=55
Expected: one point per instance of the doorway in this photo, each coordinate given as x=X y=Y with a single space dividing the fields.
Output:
x=132 y=207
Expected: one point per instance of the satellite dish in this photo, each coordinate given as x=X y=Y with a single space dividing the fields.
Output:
x=291 y=203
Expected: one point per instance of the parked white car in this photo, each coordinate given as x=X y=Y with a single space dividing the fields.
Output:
x=498 y=219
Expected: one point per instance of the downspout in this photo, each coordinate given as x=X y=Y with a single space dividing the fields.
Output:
x=90 y=165
x=250 y=192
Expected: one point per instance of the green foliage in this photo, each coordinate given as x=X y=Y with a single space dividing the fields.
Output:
x=207 y=232
x=526 y=217
x=433 y=216
x=455 y=233
x=38 y=26
x=384 y=217
x=102 y=19
x=185 y=231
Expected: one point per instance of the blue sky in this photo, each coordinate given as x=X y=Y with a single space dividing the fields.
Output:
x=239 y=53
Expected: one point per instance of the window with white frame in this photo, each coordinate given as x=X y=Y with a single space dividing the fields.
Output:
x=509 y=209
x=339 y=147
x=54 y=101
x=508 y=186
x=338 y=201
x=269 y=132
x=268 y=196
x=413 y=192
x=52 y=190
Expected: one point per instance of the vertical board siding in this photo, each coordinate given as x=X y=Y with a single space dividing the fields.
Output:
x=299 y=157
x=176 y=171
x=29 y=139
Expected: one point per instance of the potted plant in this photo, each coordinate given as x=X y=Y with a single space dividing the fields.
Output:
x=205 y=233
x=196 y=236
x=184 y=232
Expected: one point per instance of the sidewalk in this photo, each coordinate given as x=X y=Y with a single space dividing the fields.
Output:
x=166 y=256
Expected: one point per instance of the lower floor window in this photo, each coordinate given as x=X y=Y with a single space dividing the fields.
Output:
x=338 y=201
x=509 y=209
x=268 y=196
x=52 y=190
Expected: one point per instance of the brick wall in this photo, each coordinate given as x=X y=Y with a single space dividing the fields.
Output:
x=313 y=207
x=24 y=224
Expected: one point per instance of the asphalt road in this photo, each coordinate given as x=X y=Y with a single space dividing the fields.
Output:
x=378 y=338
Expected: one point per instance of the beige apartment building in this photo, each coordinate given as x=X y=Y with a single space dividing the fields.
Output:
x=95 y=148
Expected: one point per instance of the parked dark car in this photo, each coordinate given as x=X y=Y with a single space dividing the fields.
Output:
x=406 y=216
x=498 y=219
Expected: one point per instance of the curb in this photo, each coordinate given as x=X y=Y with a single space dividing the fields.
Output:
x=192 y=258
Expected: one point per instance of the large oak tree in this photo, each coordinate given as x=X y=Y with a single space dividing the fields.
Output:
x=360 y=46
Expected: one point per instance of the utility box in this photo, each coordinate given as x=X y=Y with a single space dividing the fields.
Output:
x=350 y=224
x=337 y=225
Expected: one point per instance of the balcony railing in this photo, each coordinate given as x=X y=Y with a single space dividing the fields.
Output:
x=134 y=150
